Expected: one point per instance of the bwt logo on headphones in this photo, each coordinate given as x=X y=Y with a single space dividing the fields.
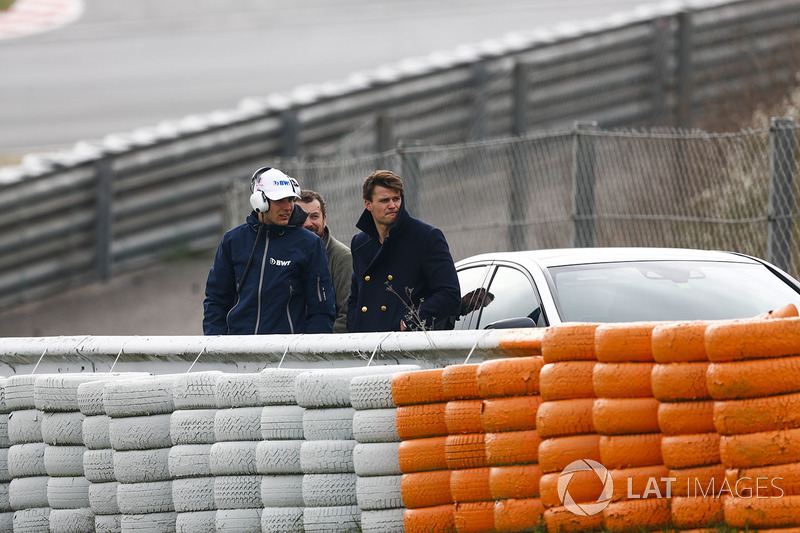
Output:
x=585 y=509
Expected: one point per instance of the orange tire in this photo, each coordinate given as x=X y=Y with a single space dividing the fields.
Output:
x=696 y=512
x=652 y=513
x=762 y=512
x=625 y=416
x=760 y=449
x=627 y=451
x=753 y=379
x=470 y=485
x=460 y=382
x=556 y=454
x=757 y=414
x=565 y=417
x=439 y=519
x=624 y=342
x=765 y=481
x=786 y=311
x=678 y=382
x=680 y=342
x=701 y=481
x=426 y=489
x=422 y=455
x=518 y=515
x=584 y=486
x=419 y=386
x=686 y=418
x=522 y=342
x=512 y=448
x=474 y=517
x=753 y=339
x=518 y=481
x=569 y=342
x=640 y=482
x=463 y=416
x=420 y=421
x=465 y=451
x=562 y=520
x=622 y=380
x=687 y=451
x=509 y=377
x=515 y=413
x=566 y=380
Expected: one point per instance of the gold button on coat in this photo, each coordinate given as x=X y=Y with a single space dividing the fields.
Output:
x=383 y=308
x=366 y=278
x=364 y=309
x=389 y=277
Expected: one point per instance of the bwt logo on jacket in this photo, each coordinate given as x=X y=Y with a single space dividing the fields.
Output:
x=278 y=262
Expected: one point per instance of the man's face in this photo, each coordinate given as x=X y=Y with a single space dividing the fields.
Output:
x=315 y=222
x=384 y=206
x=279 y=212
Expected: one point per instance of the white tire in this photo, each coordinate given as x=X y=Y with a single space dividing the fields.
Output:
x=196 y=522
x=282 y=520
x=278 y=457
x=19 y=392
x=282 y=491
x=142 y=466
x=372 y=392
x=71 y=520
x=379 y=492
x=108 y=523
x=5 y=442
x=68 y=492
x=32 y=520
x=62 y=428
x=25 y=426
x=190 y=460
x=192 y=426
x=238 y=423
x=7 y=521
x=196 y=390
x=331 y=387
x=5 y=503
x=28 y=492
x=233 y=458
x=98 y=465
x=237 y=492
x=329 y=490
x=334 y=519
x=327 y=456
x=383 y=521
x=90 y=397
x=328 y=424
x=138 y=396
x=144 y=498
x=239 y=520
x=140 y=432
x=64 y=461
x=193 y=494
x=376 y=425
x=26 y=460
x=59 y=392
x=95 y=432
x=238 y=390
x=276 y=385
x=103 y=498
x=376 y=459
x=149 y=522
x=282 y=422
x=5 y=475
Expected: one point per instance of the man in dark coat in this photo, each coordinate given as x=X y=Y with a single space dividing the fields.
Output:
x=403 y=274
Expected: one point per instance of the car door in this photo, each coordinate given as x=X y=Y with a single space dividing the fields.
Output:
x=472 y=279
x=511 y=298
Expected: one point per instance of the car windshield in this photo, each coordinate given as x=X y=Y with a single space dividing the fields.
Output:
x=667 y=290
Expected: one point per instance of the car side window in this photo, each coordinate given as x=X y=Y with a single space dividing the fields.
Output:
x=471 y=281
x=511 y=295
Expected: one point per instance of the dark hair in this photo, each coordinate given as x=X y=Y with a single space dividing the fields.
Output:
x=307 y=196
x=383 y=178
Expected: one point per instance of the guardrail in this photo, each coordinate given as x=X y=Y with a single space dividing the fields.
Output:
x=126 y=201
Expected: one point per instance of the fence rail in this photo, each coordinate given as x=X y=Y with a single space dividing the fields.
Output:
x=115 y=205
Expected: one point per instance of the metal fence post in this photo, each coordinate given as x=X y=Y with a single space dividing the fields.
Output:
x=291 y=133
x=685 y=70
x=659 y=72
x=385 y=138
x=410 y=173
x=520 y=99
x=584 y=180
x=781 y=193
x=480 y=78
x=104 y=217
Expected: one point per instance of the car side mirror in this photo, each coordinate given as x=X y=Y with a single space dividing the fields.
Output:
x=508 y=323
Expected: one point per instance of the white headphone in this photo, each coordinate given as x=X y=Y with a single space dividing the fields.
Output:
x=258 y=199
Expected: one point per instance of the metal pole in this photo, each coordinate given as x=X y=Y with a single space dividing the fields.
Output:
x=410 y=173
x=685 y=69
x=781 y=193
x=291 y=133
x=480 y=78
x=584 y=181
x=520 y=102
x=385 y=138
x=105 y=216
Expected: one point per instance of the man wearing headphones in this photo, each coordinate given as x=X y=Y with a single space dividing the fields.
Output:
x=270 y=275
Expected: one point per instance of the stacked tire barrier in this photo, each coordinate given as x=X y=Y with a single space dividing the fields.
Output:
x=6 y=512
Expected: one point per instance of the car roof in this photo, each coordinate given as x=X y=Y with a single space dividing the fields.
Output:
x=577 y=256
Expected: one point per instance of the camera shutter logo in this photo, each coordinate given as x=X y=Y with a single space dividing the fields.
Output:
x=585 y=509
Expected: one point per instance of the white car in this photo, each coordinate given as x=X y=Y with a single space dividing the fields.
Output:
x=539 y=288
